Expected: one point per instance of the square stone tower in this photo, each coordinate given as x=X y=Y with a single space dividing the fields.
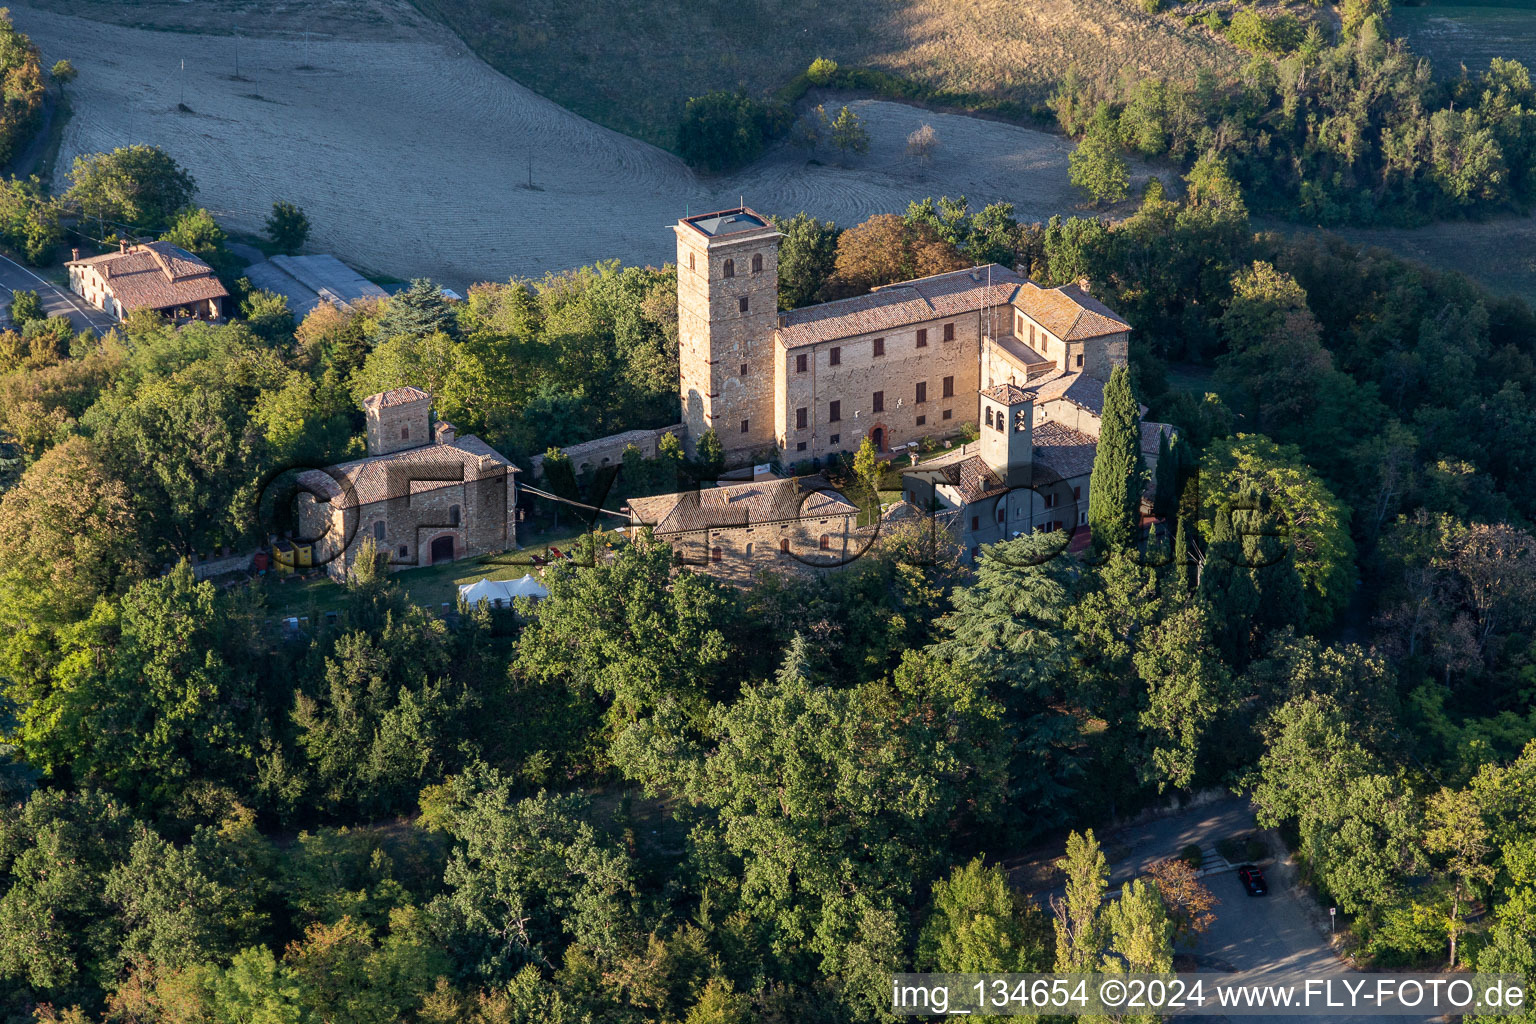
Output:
x=1007 y=433
x=398 y=419
x=727 y=311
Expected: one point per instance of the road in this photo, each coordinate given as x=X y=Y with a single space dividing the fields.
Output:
x=56 y=301
x=1265 y=939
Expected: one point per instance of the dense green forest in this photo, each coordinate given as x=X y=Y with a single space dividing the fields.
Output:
x=1352 y=129
x=653 y=797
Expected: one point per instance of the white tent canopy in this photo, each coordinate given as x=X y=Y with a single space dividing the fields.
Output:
x=501 y=592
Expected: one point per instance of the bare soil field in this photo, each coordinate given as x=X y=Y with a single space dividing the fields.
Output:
x=631 y=66
x=412 y=157
x=1452 y=34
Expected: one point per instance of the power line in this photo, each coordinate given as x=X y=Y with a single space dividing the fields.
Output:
x=577 y=504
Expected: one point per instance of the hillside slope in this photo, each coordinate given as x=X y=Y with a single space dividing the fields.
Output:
x=632 y=66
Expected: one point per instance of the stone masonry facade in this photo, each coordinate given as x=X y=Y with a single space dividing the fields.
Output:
x=423 y=495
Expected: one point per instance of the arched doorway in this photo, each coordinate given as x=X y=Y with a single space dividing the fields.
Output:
x=877 y=435
x=442 y=549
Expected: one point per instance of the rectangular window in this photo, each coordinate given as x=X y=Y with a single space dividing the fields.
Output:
x=835 y=356
x=743 y=369
x=949 y=332
x=1079 y=359
x=836 y=438
x=801 y=363
x=690 y=261
x=835 y=412
x=1050 y=501
x=1077 y=494
x=800 y=447
x=922 y=392
x=948 y=413
x=922 y=338
x=922 y=420
x=949 y=387
x=1031 y=335
x=1019 y=320
x=743 y=426
x=742 y=302
x=975 y=522
x=879 y=401
x=989 y=415
x=879 y=346
x=802 y=417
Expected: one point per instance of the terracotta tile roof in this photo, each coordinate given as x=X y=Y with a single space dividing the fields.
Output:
x=1151 y=435
x=1069 y=313
x=395 y=396
x=897 y=305
x=971 y=476
x=1007 y=394
x=378 y=477
x=1077 y=387
x=759 y=501
x=1067 y=452
x=156 y=275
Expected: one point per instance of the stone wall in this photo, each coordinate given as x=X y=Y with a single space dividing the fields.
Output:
x=478 y=514
x=859 y=374
x=737 y=554
x=591 y=455
x=387 y=424
x=725 y=354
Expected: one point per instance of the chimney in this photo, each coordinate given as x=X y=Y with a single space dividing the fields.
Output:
x=74 y=254
x=122 y=245
x=1085 y=285
x=444 y=432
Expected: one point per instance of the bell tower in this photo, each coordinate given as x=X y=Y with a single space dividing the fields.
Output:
x=727 y=311
x=1007 y=433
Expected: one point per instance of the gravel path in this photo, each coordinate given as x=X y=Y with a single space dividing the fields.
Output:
x=411 y=156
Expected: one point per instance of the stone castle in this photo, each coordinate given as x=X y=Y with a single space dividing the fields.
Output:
x=905 y=361
x=919 y=358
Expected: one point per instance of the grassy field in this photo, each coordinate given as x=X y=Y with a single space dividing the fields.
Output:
x=1454 y=32
x=632 y=66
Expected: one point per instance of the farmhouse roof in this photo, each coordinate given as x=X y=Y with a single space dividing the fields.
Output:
x=155 y=275
x=1069 y=313
x=379 y=477
x=971 y=476
x=396 y=396
x=744 y=504
x=1067 y=452
x=897 y=305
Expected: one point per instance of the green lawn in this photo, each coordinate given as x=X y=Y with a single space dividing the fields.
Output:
x=429 y=586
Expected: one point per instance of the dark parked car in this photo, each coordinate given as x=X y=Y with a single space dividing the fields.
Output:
x=1252 y=879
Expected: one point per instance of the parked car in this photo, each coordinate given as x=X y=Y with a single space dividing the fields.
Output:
x=1252 y=879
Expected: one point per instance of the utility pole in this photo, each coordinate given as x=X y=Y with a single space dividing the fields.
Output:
x=183 y=81
x=237 y=53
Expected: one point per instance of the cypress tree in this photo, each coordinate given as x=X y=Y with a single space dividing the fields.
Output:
x=1119 y=471
x=1166 y=493
x=1183 y=567
x=1226 y=583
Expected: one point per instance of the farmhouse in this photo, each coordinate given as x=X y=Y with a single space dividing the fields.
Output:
x=423 y=495
x=909 y=360
x=736 y=529
x=154 y=275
